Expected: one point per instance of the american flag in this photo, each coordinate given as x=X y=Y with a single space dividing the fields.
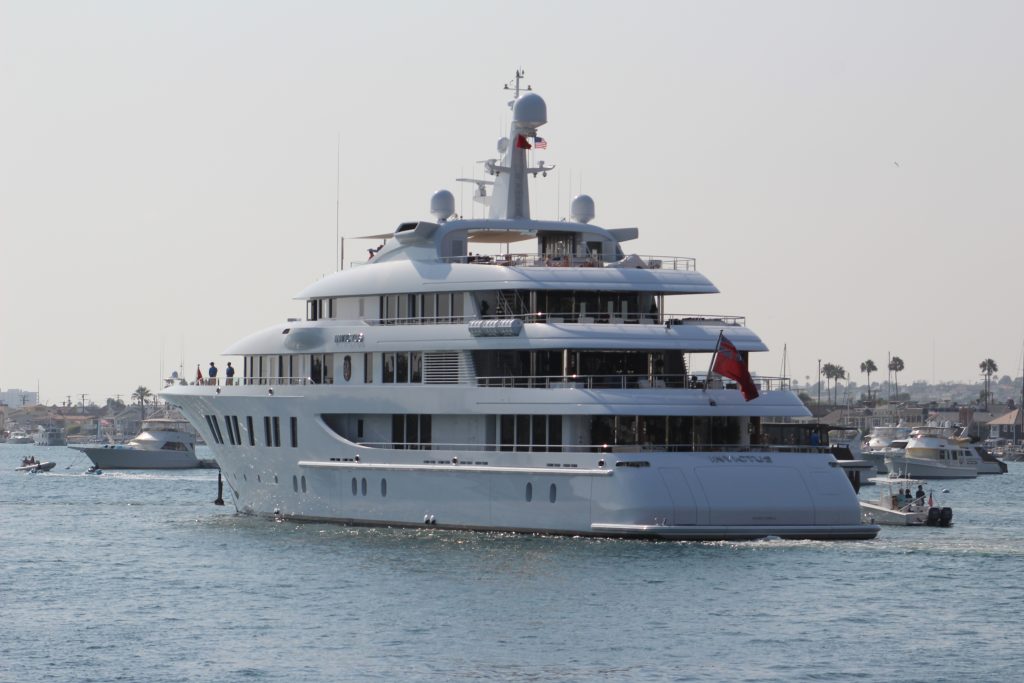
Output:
x=540 y=143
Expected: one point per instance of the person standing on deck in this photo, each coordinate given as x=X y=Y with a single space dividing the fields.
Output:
x=212 y=372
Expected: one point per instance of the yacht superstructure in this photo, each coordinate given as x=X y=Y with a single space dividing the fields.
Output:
x=544 y=390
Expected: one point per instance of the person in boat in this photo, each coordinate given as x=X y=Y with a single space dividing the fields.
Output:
x=212 y=373
x=815 y=439
x=919 y=495
x=230 y=374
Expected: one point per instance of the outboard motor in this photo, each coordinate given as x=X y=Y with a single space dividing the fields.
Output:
x=946 y=517
x=934 y=515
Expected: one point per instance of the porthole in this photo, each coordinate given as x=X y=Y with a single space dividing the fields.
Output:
x=304 y=488
x=383 y=488
x=355 y=488
x=364 y=486
x=529 y=492
x=295 y=483
x=552 y=493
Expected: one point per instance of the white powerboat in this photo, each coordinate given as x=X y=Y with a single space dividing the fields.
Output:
x=162 y=444
x=900 y=509
x=933 y=453
x=51 y=435
x=882 y=441
x=20 y=437
x=544 y=390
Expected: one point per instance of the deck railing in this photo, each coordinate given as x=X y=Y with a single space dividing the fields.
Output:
x=588 y=448
x=626 y=381
x=567 y=261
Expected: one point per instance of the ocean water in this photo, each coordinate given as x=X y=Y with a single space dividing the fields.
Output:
x=137 y=577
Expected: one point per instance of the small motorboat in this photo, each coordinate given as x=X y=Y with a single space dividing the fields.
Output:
x=906 y=508
x=30 y=464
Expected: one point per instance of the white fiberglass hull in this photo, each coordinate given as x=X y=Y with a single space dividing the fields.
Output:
x=124 y=458
x=916 y=468
x=642 y=494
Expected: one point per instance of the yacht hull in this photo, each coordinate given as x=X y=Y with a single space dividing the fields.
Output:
x=121 y=458
x=691 y=495
x=915 y=468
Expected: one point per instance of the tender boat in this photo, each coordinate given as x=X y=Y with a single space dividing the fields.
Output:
x=30 y=464
x=162 y=444
x=545 y=390
x=897 y=509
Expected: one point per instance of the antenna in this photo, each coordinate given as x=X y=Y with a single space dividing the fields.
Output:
x=338 y=248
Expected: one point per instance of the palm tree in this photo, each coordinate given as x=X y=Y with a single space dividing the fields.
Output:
x=142 y=394
x=896 y=366
x=868 y=366
x=830 y=372
x=840 y=374
x=988 y=368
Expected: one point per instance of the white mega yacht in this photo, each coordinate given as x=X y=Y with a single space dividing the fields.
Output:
x=544 y=390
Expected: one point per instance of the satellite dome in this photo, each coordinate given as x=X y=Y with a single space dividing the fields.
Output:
x=442 y=205
x=582 y=208
x=530 y=110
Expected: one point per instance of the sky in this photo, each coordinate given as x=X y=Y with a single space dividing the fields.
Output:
x=849 y=174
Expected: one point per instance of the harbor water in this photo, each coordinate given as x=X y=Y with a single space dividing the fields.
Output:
x=137 y=576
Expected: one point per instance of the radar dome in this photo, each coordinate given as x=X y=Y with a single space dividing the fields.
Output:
x=530 y=110
x=442 y=205
x=582 y=208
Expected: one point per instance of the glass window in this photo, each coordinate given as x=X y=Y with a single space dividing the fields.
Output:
x=416 y=363
x=444 y=306
x=457 y=302
x=429 y=307
x=328 y=365
x=402 y=373
x=368 y=368
x=508 y=432
x=355 y=490
x=304 y=484
x=529 y=492
x=552 y=493
x=389 y=368
x=383 y=488
x=363 y=486
x=295 y=483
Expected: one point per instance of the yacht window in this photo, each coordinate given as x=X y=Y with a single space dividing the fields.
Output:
x=552 y=493
x=383 y=488
x=295 y=483
x=363 y=486
x=277 y=431
x=402 y=369
x=304 y=485
x=267 y=432
x=354 y=485
x=429 y=307
x=359 y=429
x=416 y=367
x=529 y=492
x=368 y=368
x=346 y=368
x=295 y=431
x=389 y=368
x=444 y=306
x=252 y=432
x=238 y=433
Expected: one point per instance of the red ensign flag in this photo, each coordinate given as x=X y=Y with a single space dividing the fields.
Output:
x=728 y=363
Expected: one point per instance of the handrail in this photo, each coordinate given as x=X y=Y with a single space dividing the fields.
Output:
x=527 y=260
x=625 y=381
x=610 y=381
x=554 y=449
x=557 y=317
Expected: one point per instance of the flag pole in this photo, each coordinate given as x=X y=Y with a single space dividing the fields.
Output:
x=718 y=345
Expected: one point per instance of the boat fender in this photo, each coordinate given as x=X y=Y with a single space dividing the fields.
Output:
x=934 y=515
x=946 y=517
